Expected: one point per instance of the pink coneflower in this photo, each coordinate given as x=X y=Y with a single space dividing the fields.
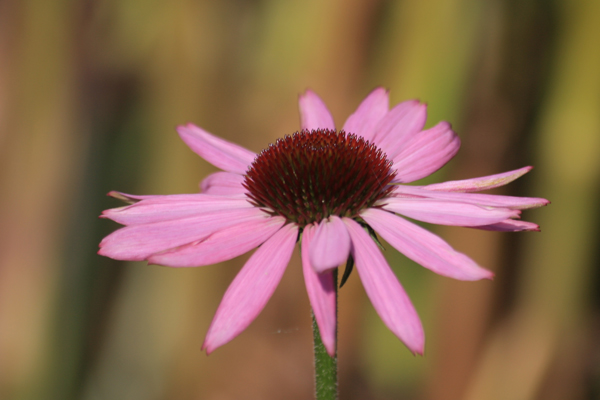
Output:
x=332 y=190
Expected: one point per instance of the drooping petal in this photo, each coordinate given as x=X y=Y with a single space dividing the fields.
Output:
x=399 y=125
x=321 y=293
x=447 y=212
x=368 y=114
x=314 y=113
x=479 y=184
x=387 y=295
x=510 y=225
x=425 y=153
x=171 y=207
x=129 y=198
x=485 y=200
x=331 y=244
x=219 y=152
x=223 y=184
x=423 y=247
x=155 y=198
x=138 y=242
x=252 y=288
x=220 y=246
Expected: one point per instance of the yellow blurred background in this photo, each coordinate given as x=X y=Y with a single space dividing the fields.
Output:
x=90 y=94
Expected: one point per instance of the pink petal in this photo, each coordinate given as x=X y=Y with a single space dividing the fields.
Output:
x=223 y=184
x=478 y=184
x=219 y=152
x=132 y=198
x=252 y=288
x=138 y=242
x=321 y=293
x=220 y=246
x=510 y=225
x=398 y=126
x=425 y=153
x=485 y=200
x=447 y=212
x=314 y=113
x=387 y=295
x=423 y=247
x=368 y=114
x=171 y=207
x=331 y=245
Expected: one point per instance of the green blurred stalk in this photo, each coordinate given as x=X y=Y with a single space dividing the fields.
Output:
x=326 y=380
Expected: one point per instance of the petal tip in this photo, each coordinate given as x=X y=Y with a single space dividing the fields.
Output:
x=150 y=262
x=420 y=352
x=417 y=349
x=307 y=92
x=204 y=347
x=185 y=128
x=481 y=274
x=180 y=128
x=321 y=268
x=532 y=228
x=381 y=89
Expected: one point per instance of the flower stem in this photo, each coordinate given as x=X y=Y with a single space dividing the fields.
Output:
x=326 y=381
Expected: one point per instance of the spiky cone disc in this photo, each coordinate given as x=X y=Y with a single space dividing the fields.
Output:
x=310 y=175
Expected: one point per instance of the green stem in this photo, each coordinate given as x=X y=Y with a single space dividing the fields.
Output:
x=326 y=382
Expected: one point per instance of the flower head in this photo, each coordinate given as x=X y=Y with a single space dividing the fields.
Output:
x=332 y=189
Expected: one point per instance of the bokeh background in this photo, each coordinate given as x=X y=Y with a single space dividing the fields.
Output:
x=90 y=94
